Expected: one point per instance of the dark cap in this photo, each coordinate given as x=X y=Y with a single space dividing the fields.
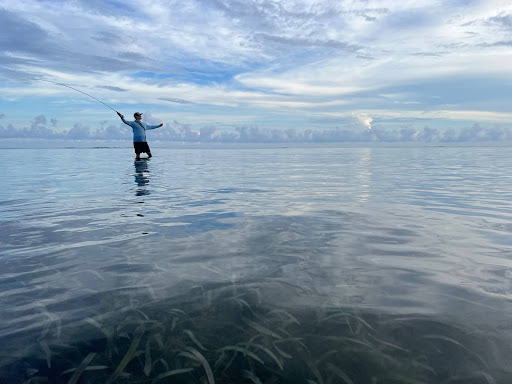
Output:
x=137 y=114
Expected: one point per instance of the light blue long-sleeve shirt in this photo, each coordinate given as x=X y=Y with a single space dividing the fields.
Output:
x=139 y=131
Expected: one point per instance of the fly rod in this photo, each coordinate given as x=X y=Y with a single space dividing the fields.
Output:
x=65 y=85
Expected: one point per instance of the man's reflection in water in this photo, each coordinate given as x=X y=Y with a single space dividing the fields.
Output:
x=141 y=176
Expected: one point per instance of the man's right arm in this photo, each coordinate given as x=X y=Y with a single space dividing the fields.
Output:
x=122 y=118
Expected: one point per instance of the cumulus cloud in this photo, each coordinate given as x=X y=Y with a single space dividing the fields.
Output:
x=39 y=120
x=357 y=129
x=79 y=132
x=150 y=119
x=365 y=120
x=112 y=132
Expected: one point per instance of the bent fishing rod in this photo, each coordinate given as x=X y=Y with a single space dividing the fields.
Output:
x=65 y=85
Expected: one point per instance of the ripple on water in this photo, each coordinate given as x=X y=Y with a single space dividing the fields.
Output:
x=414 y=237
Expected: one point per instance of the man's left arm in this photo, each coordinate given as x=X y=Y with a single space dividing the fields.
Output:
x=154 y=126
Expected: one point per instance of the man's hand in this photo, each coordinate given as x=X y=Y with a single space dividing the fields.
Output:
x=161 y=125
x=121 y=116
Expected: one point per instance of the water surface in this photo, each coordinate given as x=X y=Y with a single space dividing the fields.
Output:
x=395 y=231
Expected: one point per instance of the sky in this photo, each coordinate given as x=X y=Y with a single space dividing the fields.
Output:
x=258 y=70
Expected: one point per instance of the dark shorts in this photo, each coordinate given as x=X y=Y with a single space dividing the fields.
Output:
x=141 y=147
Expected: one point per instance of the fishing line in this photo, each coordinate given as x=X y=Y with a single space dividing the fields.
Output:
x=65 y=85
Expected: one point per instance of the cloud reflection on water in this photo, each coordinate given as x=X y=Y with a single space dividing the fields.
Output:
x=399 y=231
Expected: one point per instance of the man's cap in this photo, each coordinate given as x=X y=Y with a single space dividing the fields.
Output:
x=137 y=113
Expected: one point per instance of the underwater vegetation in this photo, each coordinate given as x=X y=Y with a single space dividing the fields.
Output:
x=229 y=334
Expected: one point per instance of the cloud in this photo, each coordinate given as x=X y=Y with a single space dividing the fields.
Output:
x=150 y=118
x=79 y=132
x=365 y=120
x=40 y=35
x=502 y=20
x=39 y=120
x=116 y=89
x=357 y=129
x=507 y=43
x=174 y=100
x=112 y=132
x=23 y=35
x=261 y=63
x=108 y=37
x=305 y=43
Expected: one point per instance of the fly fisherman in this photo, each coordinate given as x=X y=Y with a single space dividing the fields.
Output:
x=139 y=134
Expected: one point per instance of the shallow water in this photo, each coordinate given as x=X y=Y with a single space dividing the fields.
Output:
x=396 y=231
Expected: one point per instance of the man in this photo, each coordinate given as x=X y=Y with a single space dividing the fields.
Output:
x=139 y=134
